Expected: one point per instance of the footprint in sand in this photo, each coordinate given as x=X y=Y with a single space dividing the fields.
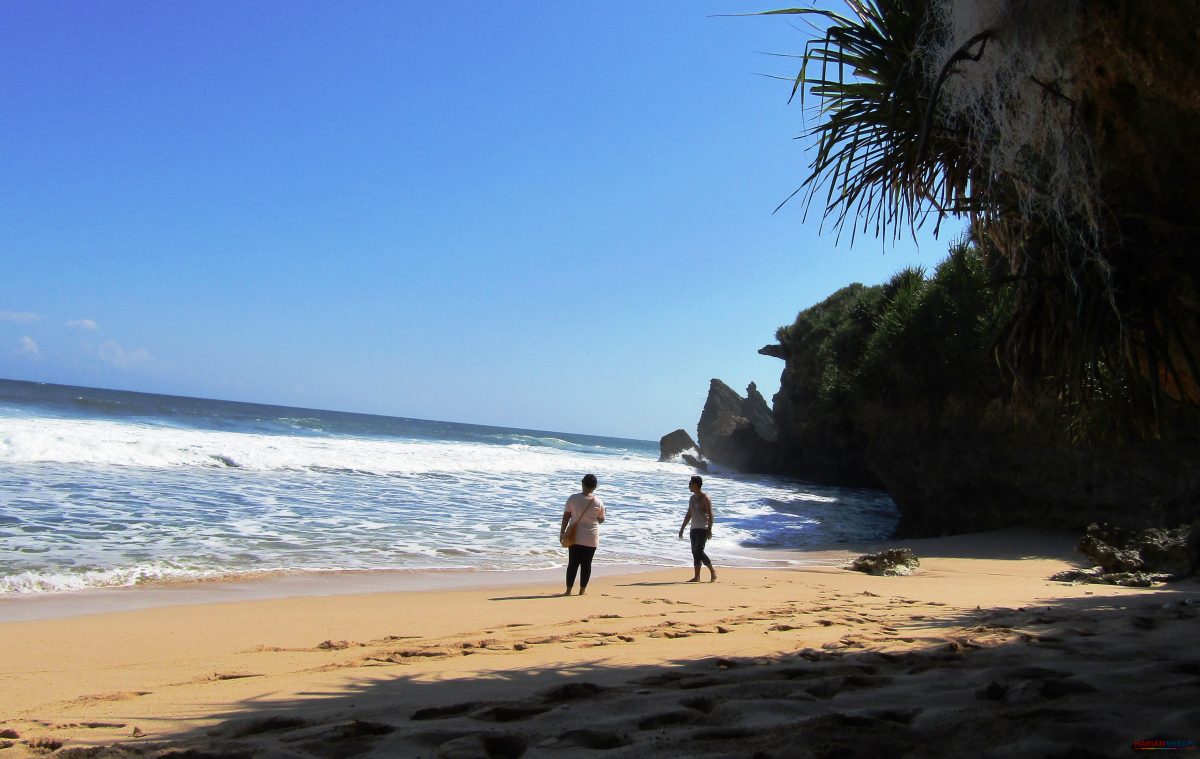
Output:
x=723 y=734
x=124 y=695
x=598 y=740
x=349 y=739
x=509 y=712
x=571 y=692
x=543 y=640
x=72 y=725
x=702 y=704
x=409 y=656
x=217 y=677
x=445 y=712
x=668 y=601
x=667 y=719
x=483 y=744
x=262 y=725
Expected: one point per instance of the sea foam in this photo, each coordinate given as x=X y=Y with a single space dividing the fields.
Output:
x=69 y=441
x=109 y=489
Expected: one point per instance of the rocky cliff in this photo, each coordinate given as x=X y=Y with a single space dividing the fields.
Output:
x=896 y=387
x=948 y=480
x=737 y=432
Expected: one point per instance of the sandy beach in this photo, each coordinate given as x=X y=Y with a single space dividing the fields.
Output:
x=977 y=654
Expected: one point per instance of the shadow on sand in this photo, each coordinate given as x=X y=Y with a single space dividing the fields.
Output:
x=1082 y=678
x=538 y=597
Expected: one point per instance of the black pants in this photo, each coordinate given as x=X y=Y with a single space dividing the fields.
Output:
x=699 y=538
x=579 y=559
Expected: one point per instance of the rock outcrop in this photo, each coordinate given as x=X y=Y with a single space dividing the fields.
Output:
x=759 y=414
x=1156 y=550
x=1136 y=558
x=965 y=476
x=877 y=390
x=957 y=471
x=889 y=563
x=897 y=386
x=737 y=432
x=674 y=443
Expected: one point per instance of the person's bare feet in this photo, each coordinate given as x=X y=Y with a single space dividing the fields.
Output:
x=695 y=579
x=582 y=591
x=567 y=592
x=712 y=575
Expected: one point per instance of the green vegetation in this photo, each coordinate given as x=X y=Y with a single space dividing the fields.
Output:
x=1064 y=133
x=1046 y=372
x=898 y=386
x=918 y=348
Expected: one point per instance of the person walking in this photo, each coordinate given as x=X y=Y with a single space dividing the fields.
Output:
x=586 y=512
x=700 y=514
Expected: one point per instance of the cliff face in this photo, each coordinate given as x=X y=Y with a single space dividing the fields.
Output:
x=1049 y=373
x=885 y=385
x=895 y=387
x=949 y=480
x=817 y=440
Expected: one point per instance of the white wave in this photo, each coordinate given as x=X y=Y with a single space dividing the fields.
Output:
x=550 y=442
x=103 y=503
x=66 y=441
x=59 y=582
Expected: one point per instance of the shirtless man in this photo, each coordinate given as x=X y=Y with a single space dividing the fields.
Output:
x=700 y=514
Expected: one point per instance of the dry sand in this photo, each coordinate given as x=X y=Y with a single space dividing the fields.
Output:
x=977 y=654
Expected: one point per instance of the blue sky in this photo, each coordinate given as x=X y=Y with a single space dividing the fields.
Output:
x=542 y=214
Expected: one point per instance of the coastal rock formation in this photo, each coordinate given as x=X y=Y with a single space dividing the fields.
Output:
x=737 y=432
x=889 y=563
x=1154 y=550
x=812 y=444
x=871 y=396
x=674 y=443
x=966 y=477
x=1136 y=558
x=1047 y=372
x=759 y=414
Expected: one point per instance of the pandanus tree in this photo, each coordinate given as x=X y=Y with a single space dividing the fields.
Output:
x=1068 y=134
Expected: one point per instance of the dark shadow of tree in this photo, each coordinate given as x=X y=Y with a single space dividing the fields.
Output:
x=1079 y=678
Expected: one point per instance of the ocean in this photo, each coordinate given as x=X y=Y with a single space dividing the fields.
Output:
x=106 y=488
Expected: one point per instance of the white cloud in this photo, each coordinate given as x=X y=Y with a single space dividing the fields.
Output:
x=29 y=347
x=18 y=316
x=114 y=354
x=83 y=324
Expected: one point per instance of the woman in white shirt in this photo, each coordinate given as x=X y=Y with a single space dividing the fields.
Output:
x=586 y=511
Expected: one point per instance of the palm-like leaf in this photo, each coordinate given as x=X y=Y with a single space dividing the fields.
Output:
x=1097 y=318
x=878 y=167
